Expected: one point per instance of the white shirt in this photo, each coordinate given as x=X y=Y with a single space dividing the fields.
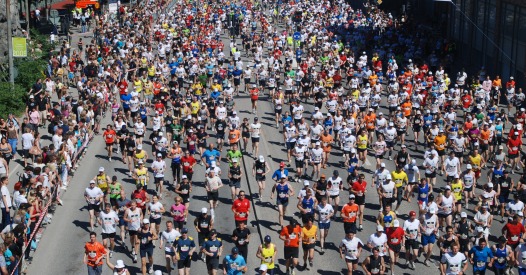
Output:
x=169 y=238
x=155 y=210
x=27 y=141
x=324 y=211
x=6 y=195
x=455 y=263
x=451 y=165
x=515 y=207
x=350 y=247
x=109 y=221
x=379 y=242
x=94 y=195
x=521 y=249
x=411 y=227
x=158 y=168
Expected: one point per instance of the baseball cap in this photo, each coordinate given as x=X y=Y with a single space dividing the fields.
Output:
x=463 y=215
x=184 y=230
x=101 y=169
x=267 y=239
x=261 y=158
x=91 y=181
x=447 y=187
x=282 y=164
x=146 y=221
x=351 y=196
x=204 y=210
x=235 y=250
x=468 y=166
x=379 y=228
x=140 y=162
x=382 y=164
x=119 y=264
x=412 y=213
x=139 y=146
x=490 y=184
x=396 y=223
x=213 y=232
x=184 y=177
x=159 y=155
x=283 y=176
x=306 y=183
x=318 y=143
x=403 y=146
x=479 y=229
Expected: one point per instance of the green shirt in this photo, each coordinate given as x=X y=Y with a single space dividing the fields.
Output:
x=115 y=190
x=234 y=155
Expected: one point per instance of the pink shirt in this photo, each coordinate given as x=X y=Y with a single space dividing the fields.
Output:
x=178 y=212
x=34 y=117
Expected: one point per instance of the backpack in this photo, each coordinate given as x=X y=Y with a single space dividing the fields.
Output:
x=51 y=128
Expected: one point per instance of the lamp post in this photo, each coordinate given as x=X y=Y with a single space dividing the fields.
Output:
x=10 y=43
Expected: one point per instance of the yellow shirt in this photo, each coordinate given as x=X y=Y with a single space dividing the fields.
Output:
x=151 y=71
x=475 y=161
x=267 y=253
x=362 y=142
x=309 y=235
x=102 y=182
x=140 y=155
x=141 y=174
x=148 y=88
x=217 y=87
x=399 y=178
x=457 y=190
x=137 y=85
x=194 y=106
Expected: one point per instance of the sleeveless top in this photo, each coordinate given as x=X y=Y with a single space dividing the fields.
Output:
x=267 y=253
x=374 y=264
x=501 y=255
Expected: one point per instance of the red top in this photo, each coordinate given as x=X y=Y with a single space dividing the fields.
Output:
x=188 y=162
x=140 y=197
x=241 y=207
x=394 y=235
x=292 y=234
x=359 y=187
x=514 y=232
x=514 y=145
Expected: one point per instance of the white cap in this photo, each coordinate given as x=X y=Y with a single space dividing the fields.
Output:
x=463 y=215
x=318 y=143
x=140 y=162
x=490 y=184
x=145 y=221
x=119 y=264
x=101 y=169
x=184 y=177
x=396 y=223
x=382 y=164
x=159 y=154
x=306 y=183
x=379 y=228
x=261 y=158
x=204 y=210
x=469 y=166
x=139 y=146
x=391 y=124
x=388 y=177
x=353 y=151
x=91 y=181
x=234 y=160
x=158 y=272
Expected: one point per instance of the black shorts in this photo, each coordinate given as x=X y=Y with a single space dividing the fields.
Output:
x=360 y=150
x=308 y=246
x=235 y=183
x=260 y=177
x=360 y=200
x=94 y=207
x=513 y=156
x=300 y=163
x=213 y=196
x=245 y=134
x=443 y=215
x=108 y=235
x=139 y=136
x=395 y=247
x=147 y=252
x=220 y=135
x=349 y=227
x=133 y=232
x=459 y=154
x=278 y=111
x=411 y=244
x=185 y=263
x=432 y=175
x=290 y=145
x=212 y=263
x=291 y=252
x=155 y=221
x=158 y=180
x=288 y=92
x=178 y=224
x=255 y=139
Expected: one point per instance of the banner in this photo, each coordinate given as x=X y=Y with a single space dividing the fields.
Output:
x=19 y=47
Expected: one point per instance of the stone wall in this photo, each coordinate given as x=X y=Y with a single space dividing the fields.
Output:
x=15 y=25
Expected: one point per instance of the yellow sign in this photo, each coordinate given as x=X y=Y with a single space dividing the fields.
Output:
x=19 y=47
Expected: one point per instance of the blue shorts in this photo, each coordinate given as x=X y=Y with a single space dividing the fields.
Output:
x=148 y=252
x=324 y=225
x=122 y=222
x=522 y=271
x=503 y=199
x=428 y=239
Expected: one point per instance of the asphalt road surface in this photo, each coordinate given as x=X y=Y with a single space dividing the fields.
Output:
x=61 y=248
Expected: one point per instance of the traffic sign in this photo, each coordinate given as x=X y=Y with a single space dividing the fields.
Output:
x=296 y=36
x=53 y=13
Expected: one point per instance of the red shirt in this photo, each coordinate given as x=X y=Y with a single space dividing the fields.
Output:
x=514 y=144
x=293 y=235
x=359 y=187
x=466 y=101
x=514 y=232
x=109 y=136
x=394 y=235
x=241 y=207
x=123 y=86
x=140 y=197
x=188 y=163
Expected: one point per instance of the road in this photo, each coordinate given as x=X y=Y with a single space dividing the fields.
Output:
x=61 y=248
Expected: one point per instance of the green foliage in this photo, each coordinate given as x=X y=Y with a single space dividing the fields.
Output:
x=12 y=99
x=29 y=71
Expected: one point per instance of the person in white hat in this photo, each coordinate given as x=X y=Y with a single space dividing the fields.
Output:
x=118 y=268
x=259 y=170
x=378 y=240
x=140 y=130
x=94 y=197
x=146 y=246
x=395 y=236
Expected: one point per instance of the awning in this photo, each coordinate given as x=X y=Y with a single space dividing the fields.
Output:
x=63 y=5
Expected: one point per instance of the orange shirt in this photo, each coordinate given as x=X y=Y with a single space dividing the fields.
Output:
x=468 y=125
x=94 y=251
x=497 y=83
x=484 y=136
x=109 y=136
x=373 y=79
x=326 y=141
x=350 y=212
x=370 y=121
x=292 y=234
x=440 y=142
x=233 y=136
x=407 y=107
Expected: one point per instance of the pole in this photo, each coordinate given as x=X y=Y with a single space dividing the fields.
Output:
x=27 y=18
x=10 y=43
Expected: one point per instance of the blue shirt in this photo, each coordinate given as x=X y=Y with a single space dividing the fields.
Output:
x=125 y=99
x=277 y=174
x=232 y=264
x=184 y=246
x=212 y=246
x=480 y=256
x=211 y=155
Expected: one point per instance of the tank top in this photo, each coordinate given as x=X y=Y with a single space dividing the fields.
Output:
x=116 y=273
x=457 y=190
x=402 y=158
x=267 y=253
x=260 y=167
x=505 y=186
x=140 y=155
x=446 y=244
x=176 y=153
x=308 y=205
x=115 y=190
x=501 y=255
x=463 y=231
x=447 y=203
x=374 y=264
x=282 y=191
x=184 y=186
x=322 y=187
x=362 y=142
x=497 y=174
x=468 y=180
x=423 y=193
x=102 y=182
x=141 y=174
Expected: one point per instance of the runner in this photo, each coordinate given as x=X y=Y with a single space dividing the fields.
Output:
x=284 y=191
x=167 y=241
x=267 y=253
x=350 y=250
x=94 y=197
x=94 y=253
x=290 y=235
x=108 y=220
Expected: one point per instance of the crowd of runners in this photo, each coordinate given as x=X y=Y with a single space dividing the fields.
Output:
x=382 y=92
